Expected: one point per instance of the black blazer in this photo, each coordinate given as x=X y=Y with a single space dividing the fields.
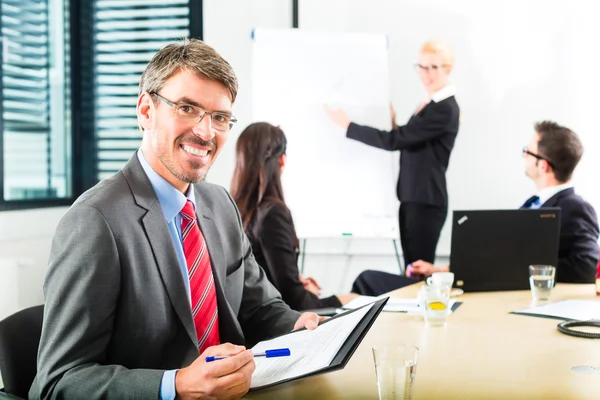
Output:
x=426 y=142
x=578 y=244
x=274 y=244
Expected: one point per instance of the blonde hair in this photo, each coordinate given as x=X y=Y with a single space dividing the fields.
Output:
x=441 y=47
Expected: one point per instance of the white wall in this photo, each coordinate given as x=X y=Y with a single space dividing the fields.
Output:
x=26 y=235
x=517 y=62
x=25 y=238
x=227 y=27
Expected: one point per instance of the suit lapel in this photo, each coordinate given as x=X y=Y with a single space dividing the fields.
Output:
x=421 y=108
x=168 y=265
x=161 y=243
x=229 y=328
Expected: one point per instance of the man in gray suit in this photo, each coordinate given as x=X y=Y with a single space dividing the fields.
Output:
x=125 y=314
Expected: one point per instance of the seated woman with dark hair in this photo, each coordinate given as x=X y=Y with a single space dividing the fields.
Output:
x=257 y=191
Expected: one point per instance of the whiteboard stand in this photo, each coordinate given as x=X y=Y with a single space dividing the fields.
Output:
x=401 y=267
x=296 y=73
x=348 y=259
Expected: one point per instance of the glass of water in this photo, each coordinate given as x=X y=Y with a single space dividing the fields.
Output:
x=541 y=280
x=435 y=304
x=395 y=366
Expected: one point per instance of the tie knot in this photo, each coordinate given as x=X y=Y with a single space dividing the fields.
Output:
x=188 y=210
x=532 y=201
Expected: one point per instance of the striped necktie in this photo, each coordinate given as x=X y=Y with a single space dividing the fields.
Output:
x=202 y=284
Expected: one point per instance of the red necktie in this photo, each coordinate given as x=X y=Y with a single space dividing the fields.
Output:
x=202 y=284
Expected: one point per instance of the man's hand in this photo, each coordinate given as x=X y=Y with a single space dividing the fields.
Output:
x=338 y=116
x=308 y=320
x=420 y=269
x=228 y=378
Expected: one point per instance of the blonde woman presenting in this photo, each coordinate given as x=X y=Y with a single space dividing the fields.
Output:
x=425 y=143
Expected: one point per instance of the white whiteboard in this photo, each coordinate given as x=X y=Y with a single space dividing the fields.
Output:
x=332 y=185
x=517 y=62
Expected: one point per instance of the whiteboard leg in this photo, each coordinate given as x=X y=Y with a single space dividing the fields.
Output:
x=345 y=274
x=346 y=267
x=395 y=241
x=302 y=256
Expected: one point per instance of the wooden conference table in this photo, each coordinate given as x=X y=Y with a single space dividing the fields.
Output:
x=483 y=353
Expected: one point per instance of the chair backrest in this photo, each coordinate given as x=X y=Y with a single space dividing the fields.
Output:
x=19 y=341
x=598 y=275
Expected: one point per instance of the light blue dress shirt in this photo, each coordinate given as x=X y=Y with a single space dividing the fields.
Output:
x=171 y=201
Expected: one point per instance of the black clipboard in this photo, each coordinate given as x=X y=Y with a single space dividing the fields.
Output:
x=349 y=346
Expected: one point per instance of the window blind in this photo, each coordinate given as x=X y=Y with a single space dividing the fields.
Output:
x=25 y=96
x=127 y=33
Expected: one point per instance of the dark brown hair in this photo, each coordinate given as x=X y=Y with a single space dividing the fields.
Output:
x=561 y=147
x=257 y=176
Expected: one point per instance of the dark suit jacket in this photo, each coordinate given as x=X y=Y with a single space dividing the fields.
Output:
x=578 y=245
x=117 y=314
x=273 y=238
x=425 y=143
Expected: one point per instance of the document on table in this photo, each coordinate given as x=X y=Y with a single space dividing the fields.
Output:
x=310 y=350
x=393 y=305
x=580 y=310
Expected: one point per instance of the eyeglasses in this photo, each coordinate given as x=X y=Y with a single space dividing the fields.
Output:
x=429 y=68
x=532 y=154
x=189 y=113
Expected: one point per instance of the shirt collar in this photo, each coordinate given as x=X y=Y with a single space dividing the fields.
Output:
x=171 y=200
x=546 y=193
x=444 y=93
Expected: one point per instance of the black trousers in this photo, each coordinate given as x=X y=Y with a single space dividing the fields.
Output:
x=420 y=227
x=374 y=283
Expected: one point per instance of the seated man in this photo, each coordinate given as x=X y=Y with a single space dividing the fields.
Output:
x=150 y=270
x=550 y=159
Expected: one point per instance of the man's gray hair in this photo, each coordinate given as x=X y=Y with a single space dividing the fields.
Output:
x=191 y=55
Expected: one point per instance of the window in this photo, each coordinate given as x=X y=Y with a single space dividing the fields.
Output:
x=69 y=74
x=35 y=135
x=126 y=35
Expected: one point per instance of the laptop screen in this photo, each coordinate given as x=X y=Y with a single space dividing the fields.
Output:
x=492 y=249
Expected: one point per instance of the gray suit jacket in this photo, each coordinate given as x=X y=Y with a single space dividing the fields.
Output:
x=117 y=314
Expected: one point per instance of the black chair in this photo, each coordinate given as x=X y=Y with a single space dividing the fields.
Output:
x=19 y=341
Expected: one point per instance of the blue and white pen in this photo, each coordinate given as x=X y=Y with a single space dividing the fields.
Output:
x=266 y=353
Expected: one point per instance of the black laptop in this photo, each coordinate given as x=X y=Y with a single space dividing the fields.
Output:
x=492 y=249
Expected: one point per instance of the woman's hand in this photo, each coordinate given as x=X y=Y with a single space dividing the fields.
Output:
x=338 y=116
x=346 y=298
x=393 y=114
x=419 y=269
x=310 y=284
x=422 y=269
